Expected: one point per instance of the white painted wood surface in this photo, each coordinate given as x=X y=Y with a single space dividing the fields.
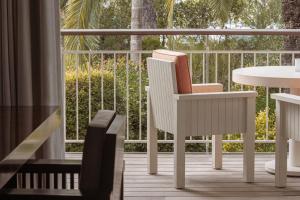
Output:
x=281 y=148
x=287 y=127
x=200 y=114
x=217 y=152
x=268 y=76
x=249 y=142
x=151 y=139
x=289 y=98
x=162 y=79
x=289 y=110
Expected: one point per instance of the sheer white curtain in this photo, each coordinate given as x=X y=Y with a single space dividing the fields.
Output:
x=30 y=66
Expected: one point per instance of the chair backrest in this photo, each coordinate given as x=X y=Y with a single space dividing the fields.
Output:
x=163 y=86
x=184 y=83
x=102 y=155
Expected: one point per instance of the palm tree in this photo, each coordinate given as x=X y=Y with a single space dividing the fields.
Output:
x=291 y=19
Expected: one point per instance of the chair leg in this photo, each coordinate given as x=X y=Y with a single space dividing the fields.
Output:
x=217 y=151
x=281 y=149
x=179 y=160
x=151 y=139
x=249 y=153
x=280 y=160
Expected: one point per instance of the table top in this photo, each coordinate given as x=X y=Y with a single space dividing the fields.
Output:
x=268 y=76
x=22 y=131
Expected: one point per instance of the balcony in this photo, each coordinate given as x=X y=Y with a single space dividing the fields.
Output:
x=75 y=79
x=108 y=79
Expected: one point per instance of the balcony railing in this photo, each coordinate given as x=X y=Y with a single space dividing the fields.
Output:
x=205 y=66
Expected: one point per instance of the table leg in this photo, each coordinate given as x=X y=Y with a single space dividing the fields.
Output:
x=293 y=168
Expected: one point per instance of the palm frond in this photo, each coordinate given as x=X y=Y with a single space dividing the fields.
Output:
x=62 y=3
x=78 y=16
x=221 y=8
x=170 y=10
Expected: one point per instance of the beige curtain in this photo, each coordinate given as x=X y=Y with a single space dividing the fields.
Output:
x=30 y=68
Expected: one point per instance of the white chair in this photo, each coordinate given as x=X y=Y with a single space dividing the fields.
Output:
x=196 y=114
x=287 y=127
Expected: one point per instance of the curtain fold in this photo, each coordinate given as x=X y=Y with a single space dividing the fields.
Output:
x=30 y=66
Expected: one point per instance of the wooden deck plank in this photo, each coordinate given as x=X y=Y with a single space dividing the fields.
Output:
x=202 y=182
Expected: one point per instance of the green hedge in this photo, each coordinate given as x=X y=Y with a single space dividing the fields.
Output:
x=134 y=73
x=83 y=102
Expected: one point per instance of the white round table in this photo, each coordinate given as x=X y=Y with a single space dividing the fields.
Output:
x=278 y=77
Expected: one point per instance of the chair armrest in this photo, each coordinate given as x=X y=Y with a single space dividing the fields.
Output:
x=206 y=88
x=215 y=95
x=289 y=98
x=51 y=166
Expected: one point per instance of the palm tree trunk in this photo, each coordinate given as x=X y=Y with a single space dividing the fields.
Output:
x=291 y=18
x=149 y=14
x=170 y=38
x=136 y=23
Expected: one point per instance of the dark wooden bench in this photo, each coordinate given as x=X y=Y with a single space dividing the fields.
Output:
x=99 y=174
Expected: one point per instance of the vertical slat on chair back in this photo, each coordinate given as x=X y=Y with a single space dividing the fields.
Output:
x=290 y=122
x=163 y=86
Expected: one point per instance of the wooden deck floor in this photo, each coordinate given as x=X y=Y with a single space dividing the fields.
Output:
x=202 y=182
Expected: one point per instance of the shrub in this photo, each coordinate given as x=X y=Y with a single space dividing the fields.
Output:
x=96 y=75
x=83 y=100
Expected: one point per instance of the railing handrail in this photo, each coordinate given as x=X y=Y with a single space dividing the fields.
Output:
x=91 y=51
x=210 y=31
